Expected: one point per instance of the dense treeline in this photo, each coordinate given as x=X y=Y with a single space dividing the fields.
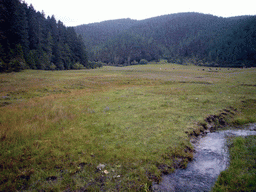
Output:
x=28 y=40
x=181 y=38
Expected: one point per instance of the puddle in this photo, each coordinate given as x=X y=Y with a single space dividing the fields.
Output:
x=210 y=158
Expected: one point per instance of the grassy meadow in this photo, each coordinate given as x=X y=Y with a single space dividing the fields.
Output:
x=241 y=174
x=113 y=128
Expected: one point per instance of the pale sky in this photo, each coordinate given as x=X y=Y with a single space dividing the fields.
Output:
x=77 y=12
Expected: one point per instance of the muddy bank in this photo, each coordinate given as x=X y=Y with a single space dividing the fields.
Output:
x=210 y=159
x=210 y=124
x=213 y=122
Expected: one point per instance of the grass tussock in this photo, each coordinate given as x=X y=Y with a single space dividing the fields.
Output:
x=56 y=128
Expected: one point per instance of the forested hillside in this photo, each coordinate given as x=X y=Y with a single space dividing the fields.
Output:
x=28 y=40
x=181 y=38
x=95 y=33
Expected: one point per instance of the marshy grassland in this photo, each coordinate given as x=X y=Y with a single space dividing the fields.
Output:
x=241 y=174
x=113 y=128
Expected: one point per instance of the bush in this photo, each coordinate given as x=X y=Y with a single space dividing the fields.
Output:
x=134 y=62
x=94 y=65
x=52 y=66
x=78 y=66
x=16 y=65
x=143 y=61
x=2 y=66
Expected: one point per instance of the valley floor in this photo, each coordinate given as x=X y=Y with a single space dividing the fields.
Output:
x=111 y=129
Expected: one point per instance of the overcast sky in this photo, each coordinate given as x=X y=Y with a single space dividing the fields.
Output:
x=77 y=12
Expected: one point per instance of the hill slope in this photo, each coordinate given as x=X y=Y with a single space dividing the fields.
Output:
x=182 y=38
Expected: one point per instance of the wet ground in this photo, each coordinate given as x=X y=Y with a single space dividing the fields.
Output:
x=210 y=158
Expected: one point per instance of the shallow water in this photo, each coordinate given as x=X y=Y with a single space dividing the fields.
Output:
x=210 y=158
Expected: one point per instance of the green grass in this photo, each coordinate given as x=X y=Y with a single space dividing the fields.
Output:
x=241 y=174
x=57 y=126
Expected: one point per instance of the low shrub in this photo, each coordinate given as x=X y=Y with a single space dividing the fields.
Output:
x=143 y=61
x=78 y=66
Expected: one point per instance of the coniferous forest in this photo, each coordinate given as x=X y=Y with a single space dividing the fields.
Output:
x=29 y=40
x=183 y=38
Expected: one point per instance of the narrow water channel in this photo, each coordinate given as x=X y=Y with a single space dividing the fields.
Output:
x=210 y=158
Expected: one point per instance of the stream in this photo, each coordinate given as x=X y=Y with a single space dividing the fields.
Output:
x=210 y=158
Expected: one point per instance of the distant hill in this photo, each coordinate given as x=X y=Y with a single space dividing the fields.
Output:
x=181 y=38
x=98 y=33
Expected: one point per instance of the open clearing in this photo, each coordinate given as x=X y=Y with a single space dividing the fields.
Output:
x=110 y=129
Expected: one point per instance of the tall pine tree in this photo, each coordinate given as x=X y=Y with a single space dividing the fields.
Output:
x=29 y=40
